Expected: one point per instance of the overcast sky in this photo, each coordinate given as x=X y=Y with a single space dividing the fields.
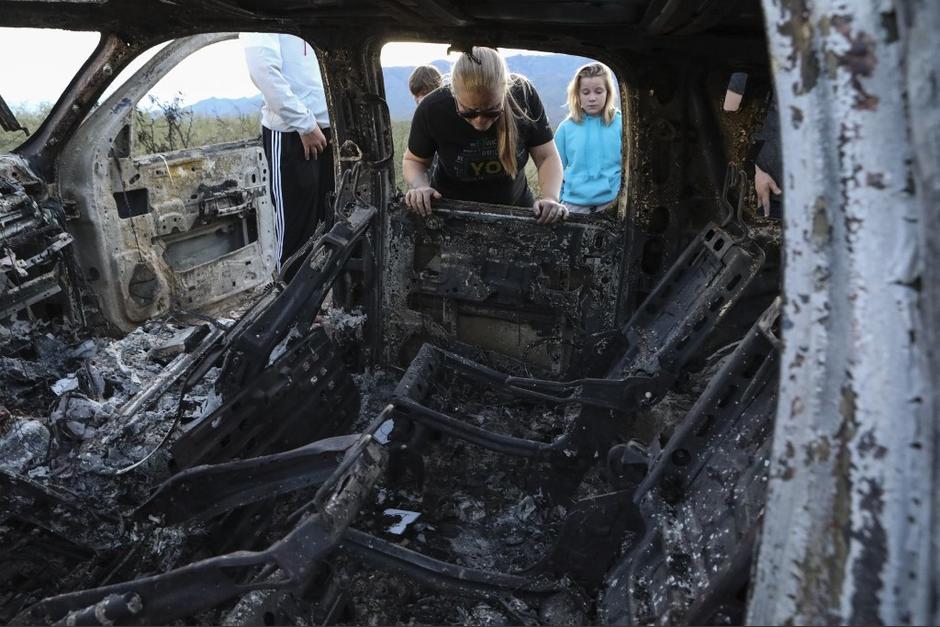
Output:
x=45 y=61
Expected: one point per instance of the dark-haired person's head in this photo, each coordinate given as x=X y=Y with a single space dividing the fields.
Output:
x=423 y=80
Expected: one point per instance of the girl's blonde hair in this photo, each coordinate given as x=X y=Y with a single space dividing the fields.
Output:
x=591 y=70
x=483 y=70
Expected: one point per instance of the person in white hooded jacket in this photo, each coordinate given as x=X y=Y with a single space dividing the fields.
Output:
x=295 y=128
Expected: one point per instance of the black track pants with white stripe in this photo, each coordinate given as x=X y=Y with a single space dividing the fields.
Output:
x=299 y=188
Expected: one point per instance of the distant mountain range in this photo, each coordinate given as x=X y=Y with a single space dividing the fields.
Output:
x=228 y=106
x=549 y=73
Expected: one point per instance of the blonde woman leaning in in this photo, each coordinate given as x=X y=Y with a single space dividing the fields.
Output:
x=483 y=127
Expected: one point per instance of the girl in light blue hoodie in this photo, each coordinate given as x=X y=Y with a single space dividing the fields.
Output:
x=589 y=141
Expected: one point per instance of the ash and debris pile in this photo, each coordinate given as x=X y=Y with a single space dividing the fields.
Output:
x=64 y=434
x=78 y=415
x=70 y=392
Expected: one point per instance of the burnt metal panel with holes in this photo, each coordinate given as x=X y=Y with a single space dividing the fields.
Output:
x=491 y=281
x=702 y=500
x=698 y=291
x=305 y=395
x=182 y=229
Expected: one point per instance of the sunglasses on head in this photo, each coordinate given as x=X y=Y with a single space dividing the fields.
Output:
x=489 y=114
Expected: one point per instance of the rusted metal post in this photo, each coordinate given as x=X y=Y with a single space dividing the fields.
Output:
x=848 y=527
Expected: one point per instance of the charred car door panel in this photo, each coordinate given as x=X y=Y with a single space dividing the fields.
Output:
x=204 y=212
x=182 y=229
x=489 y=278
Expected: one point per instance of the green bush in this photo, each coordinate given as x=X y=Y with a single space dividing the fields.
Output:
x=167 y=126
x=29 y=117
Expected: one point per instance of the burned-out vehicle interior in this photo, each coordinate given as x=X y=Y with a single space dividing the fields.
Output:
x=464 y=419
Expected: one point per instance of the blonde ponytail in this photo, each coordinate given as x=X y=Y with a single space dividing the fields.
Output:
x=508 y=136
x=483 y=70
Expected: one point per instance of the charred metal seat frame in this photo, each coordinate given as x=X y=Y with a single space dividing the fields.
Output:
x=669 y=328
x=430 y=362
x=259 y=395
x=271 y=319
x=307 y=393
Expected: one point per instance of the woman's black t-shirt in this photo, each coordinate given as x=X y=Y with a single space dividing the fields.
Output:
x=468 y=165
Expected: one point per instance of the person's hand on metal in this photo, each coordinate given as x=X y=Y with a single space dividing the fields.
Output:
x=764 y=184
x=314 y=143
x=418 y=199
x=548 y=211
